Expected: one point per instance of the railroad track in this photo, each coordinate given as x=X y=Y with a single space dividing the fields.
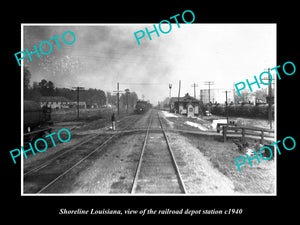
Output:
x=41 y=177
x=157 y=170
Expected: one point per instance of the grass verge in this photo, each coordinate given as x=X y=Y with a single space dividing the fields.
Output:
x=258 y=179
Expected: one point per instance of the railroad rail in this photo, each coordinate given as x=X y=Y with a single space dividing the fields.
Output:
x=43 y=174
x=151 y=172
x=66 y=150
x=33 y=135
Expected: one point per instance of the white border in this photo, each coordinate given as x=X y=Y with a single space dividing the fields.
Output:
x=22 y=110
x=132 y=195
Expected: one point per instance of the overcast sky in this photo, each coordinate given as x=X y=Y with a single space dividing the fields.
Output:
x=103 y=55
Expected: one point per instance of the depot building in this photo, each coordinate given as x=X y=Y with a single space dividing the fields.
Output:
x=188 y=105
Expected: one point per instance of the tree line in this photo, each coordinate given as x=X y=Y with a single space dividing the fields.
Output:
x=90 y=96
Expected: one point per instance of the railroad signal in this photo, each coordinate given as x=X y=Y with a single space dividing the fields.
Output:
x=170 y=87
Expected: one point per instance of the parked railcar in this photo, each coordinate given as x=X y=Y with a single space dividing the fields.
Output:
x=35 y=116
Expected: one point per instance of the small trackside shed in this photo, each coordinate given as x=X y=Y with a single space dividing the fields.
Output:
x=186 y=105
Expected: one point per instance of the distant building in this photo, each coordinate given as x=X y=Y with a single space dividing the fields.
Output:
x=216 y=96
x=59 y=102
x=187 y=105
x=82 y=105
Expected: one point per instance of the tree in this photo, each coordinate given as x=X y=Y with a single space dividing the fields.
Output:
x=132 y=99
x=128 y=98
x=27 y=76
x=261 y=95
x=243 y=98
x=50 y=88
x=66 y=92
x=26 y=81
x=102 y=96
x=111 y=99
x=33 y=93
x=46 y=88
x=92 y=97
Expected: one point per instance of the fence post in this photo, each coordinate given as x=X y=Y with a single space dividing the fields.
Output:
x=262 y=137
x=224 y=133
x=243 y=135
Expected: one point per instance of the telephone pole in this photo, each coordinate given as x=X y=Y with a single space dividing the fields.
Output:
x=78 y=89
x=194 y=85
x=209 y=83
x=118 y=99
x=269 y=98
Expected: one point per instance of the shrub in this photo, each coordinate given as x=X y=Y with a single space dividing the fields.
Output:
x=249 y=111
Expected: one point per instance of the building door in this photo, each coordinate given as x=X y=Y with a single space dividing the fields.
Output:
x=190 y=111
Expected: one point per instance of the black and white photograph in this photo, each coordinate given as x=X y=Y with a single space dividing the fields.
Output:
x=142 y=109
x=149 y=111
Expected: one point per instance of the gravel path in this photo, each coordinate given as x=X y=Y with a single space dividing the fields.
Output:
x=198 y=173
x=112 y=172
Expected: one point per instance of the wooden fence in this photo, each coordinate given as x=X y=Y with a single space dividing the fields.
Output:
x=244 y=130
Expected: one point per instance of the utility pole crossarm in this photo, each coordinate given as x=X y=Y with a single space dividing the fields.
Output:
x=118 y=93
x=209 y=83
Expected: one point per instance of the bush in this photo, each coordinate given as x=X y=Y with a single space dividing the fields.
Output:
x=249 y=111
